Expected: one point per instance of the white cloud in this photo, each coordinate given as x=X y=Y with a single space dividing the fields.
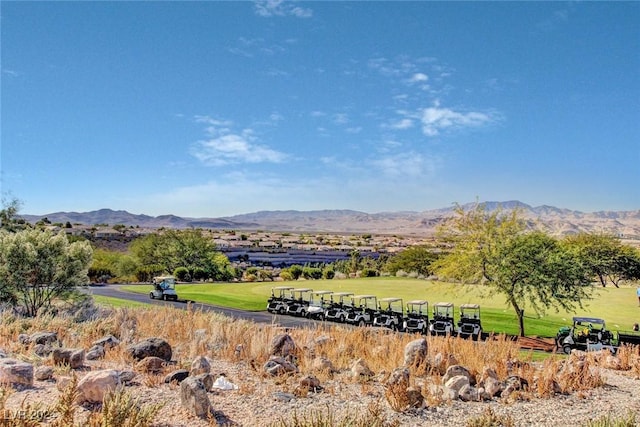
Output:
x=402 y=124
x=228 y=147
x=268 y=8
x=409 y=164
x=418 y=77
x=435 y=119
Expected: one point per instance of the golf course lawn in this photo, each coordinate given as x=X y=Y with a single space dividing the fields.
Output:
x=619 y=307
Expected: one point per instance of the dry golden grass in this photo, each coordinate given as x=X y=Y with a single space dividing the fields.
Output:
x=193 y=333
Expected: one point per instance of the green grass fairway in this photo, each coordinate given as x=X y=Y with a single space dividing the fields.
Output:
x=619 y=307
x=117 y=302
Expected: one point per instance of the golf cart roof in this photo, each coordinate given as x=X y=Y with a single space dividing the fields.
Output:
x=417 y=302
x=364 y=296
x=163 y=277
x=589 y=320
x=343 y=294
x=282 y=288
x=322 y=292
x=391 y=299
x=303 y=290
x=469 y=306
x=443 y=304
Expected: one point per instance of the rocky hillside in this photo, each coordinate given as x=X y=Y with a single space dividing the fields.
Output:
x=552 y=219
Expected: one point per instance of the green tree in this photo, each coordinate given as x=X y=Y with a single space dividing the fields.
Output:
x=38 y=267
x=531 y=269
x=9 y=219
x=606 y=257
x=412 y=259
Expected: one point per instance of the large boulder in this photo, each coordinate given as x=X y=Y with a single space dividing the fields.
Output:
x=282 y=345
x=360 y=369
x=74 y=357
x=193 y=397
x=15 y=372
x=415 y=353
x=200 y=365
x=156 y=347
x=44 y=338
x=279 y=366
x=457 y=370
x=107 y=342
x=176 y=376
x=93 y=387
x=96 y=352
x=453 y=385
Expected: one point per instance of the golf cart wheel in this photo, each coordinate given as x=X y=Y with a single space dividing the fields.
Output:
x=151 y=295
x=361 y=323
x=281 y=310
x=164 y=297
x=566 y=349
x=341 y=319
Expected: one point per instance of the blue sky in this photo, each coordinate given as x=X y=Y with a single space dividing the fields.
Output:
x=208 y=109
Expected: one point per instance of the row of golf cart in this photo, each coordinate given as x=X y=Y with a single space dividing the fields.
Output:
x=368 y=310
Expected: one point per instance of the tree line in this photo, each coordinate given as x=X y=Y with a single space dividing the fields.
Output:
x=495 y=249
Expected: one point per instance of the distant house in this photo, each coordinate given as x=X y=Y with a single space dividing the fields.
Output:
x=221 y=243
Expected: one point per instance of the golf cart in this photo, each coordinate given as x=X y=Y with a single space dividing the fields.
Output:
x=442 y=322
x=299 y=303
x=277 y=303
x=319 y=302
x=417 y=318
x=338 y=308
x=469 y=325
x=164 y=288
x=390 y=314
x=586 y=333
x=364 y=308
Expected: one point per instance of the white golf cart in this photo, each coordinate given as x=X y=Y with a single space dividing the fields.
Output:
x=277 y=303
x=338 y=308
x=164 y=288
x=319 y=302
x=299 y=303
x=390 y=314
x=364 y=308
x=469 y=325
x=417 y=318
x=442 y=322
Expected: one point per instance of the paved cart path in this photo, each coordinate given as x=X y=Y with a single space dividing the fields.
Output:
x=114 y=291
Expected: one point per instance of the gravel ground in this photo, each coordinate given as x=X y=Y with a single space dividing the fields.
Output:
x=261 y=401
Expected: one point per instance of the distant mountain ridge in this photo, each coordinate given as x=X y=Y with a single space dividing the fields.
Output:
x=552 y=219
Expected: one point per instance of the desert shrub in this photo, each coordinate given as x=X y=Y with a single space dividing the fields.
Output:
x=121 y=409
x=490 y=419
x=372 y=417
x=628 y=420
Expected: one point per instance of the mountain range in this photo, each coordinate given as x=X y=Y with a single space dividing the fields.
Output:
x=554 y=220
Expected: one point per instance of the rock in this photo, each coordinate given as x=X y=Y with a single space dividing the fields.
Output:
x=44 y=338
x=457 y=370
x=3 y=354
x=74 y=357
x=126 y=376
x=359 y=369
x=96 y=352
x=176 y=376
x=279 y=366
x=455 y=384
x=200 y=365
x=156 y=347
x=322 y=364
x=107 y=342
x=283 y=397
x=95 y=385
x=43 y=373
x=415 y=353
x=514 y=383
x=42 y=350
x=282 y=345
x=468 y=393
x=150 y=364
x=399 y=378
x=24 y=339
x=415 y=398
x=207 y=380
x=193 y=397
x=488 y=373
x=492 y=387
x=15 y=372
x=310 y=383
